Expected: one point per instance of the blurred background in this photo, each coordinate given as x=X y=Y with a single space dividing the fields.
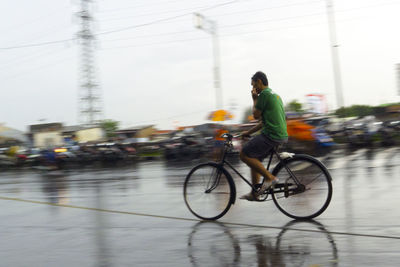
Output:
x=94 y=82
x=106 y=105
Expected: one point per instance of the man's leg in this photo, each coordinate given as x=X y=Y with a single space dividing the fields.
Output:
x=256 y=166
x=252 y=151
x=255 y=177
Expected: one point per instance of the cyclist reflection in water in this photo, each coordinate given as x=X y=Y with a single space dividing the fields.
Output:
x=268 y=109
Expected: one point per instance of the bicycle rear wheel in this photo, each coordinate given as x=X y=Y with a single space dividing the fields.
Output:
x=311 y=197
x=209 y=191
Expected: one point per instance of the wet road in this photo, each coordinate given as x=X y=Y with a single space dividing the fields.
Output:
x=135 y=216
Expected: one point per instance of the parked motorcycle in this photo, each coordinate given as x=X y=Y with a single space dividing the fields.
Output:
x=390 y=133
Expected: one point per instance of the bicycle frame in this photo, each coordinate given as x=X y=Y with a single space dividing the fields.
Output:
x=228 y=145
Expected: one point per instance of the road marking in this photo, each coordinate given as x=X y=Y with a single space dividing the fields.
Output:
x=193 y=220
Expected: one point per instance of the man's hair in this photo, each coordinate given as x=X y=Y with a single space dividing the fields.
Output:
x=260 y=75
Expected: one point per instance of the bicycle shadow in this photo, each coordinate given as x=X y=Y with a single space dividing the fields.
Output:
x=298 y=243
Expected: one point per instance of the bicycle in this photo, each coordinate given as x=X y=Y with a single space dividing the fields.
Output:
x=304 y=190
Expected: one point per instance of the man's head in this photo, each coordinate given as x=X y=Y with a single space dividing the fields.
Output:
x=259 y=81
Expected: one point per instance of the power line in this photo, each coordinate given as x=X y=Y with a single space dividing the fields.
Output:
x=224 y=14
x=219 y=15
x=242 y=24
x=149 y=35
x=30 y=53
x=30 y=57
x=114 y=31
x=38 y=44
x=155 y=13
x=131 y=7
x=223 y=35
x=164 y=19
x=266 y=8
x=272 y=20
x=33 y=35
x=37 y=68
x=223 y=26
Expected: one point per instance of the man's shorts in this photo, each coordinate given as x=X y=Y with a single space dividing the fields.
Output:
x=259 y=147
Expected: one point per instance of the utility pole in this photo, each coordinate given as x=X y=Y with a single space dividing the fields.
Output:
x=335 y=54
x=210 y=26
x=90 y=109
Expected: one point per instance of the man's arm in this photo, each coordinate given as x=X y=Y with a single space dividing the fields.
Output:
x=256 y=128
x=256 y=112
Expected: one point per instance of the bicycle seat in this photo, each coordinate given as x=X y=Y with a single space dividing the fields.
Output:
x=285 y=155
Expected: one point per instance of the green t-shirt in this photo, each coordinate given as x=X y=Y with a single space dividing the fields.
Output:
x=273 y=115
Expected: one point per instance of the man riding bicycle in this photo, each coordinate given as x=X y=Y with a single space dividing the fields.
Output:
x=268 y=109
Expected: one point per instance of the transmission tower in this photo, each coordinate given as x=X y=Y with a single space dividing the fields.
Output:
x=90 y=105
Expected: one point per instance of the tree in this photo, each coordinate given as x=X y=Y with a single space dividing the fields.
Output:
x=354 y=111
x=294 y=106
x=109 y=126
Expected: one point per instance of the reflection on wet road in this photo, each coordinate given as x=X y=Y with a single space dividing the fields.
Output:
x=136 y=216
x=225 y=246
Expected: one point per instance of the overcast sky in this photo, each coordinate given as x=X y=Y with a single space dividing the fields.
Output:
x=161 y=73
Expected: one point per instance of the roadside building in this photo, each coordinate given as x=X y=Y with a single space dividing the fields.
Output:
x=10 y=136
x=83 y=134
x=162 y=135
x=46 y=135
x=50 y=135
x=137 y=134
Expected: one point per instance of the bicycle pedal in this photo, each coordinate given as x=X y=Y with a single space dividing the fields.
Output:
x=286 y=190
x=262 y=197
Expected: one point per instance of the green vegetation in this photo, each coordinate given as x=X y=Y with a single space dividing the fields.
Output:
x=109 y=126
x=294 y=106
x=361 y=110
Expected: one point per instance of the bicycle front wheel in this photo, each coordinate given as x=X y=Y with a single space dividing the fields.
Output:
x=209 y=191
x=304 y=190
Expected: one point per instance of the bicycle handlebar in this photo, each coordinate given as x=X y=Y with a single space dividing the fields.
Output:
x=229 y=136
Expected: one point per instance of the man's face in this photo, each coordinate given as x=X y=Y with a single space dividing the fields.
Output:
x=257 y=85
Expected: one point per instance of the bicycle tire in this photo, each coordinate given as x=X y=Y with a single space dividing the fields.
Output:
x=317 y=194
x=209 y=191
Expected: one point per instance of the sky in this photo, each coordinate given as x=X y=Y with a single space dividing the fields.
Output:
x=155 y=67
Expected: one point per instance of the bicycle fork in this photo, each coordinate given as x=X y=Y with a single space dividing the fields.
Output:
x=213 y=182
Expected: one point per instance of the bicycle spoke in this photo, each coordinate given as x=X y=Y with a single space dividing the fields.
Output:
x=319 y=175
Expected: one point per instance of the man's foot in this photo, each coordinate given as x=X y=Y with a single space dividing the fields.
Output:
x=248 y=197
x=267 y=184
